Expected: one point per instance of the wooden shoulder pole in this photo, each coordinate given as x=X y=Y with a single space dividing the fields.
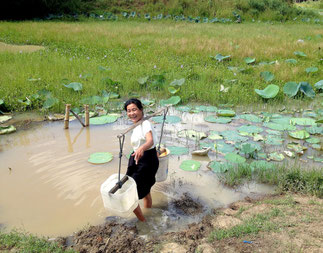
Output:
x=87 y=115
x=67 y=116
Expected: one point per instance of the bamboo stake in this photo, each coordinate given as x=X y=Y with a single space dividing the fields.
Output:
x=78 y=118
x=67 y=116
x=87 y=115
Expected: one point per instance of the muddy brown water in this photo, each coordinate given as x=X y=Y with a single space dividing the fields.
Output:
x=48 y=188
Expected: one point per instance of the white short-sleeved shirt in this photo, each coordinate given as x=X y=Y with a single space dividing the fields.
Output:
x=139 y=133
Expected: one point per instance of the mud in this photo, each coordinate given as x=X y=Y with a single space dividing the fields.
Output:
x=187 y=205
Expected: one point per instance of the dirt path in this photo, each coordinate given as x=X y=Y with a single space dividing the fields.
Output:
x=282 y=223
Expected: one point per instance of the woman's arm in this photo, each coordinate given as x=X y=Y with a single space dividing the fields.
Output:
x=140 y=151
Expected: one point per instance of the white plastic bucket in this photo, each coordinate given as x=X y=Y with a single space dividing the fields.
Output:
x=162 y=171
x=124 y=200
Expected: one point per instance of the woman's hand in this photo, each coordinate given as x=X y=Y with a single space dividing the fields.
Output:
x=140 y=151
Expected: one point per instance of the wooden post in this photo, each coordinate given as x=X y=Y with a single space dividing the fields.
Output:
x=87 y=115
x=67 y=116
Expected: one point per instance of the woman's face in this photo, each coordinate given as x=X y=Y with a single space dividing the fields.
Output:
x=134 y=113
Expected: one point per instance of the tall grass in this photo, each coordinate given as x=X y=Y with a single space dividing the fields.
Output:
x=131 y=50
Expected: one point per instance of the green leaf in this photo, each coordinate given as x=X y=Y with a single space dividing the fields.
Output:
x=276 y=157
x=219 y=167
x=143 y=80
x=249 y=60
x=7 y=129
x=279 y=127
x=300 y=54
x=172 y=90
x=307 y=89
x=291 y=88
x=269 y=92
x=319 y=85
x=101 y=120
x=233 y=136
x=174 y=100
x=262 y=165
x=1 y=102
x=169 y=119
x=314 y=129
x=214 y=135
x=224 y=148
x=226 y=113
x=303 y=121
x=75 y=86
x=50 y=102
x=183 y=108
x=175 y=150
x=178 y=82
x=251 y=129
x=220 y=57
x=313 y=140
x=248 y=148
x=292 y=61
x=267 y=76
x=191 y=134
x=299 y=134
x=220 y=120
x=5 y=118
x=205 y=108
x=234 y=158
x=190 y=165
x=250 y=117
x=311 y=70
x=100 y=157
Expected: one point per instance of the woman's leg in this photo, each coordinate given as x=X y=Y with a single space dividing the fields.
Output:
x=139 y=214
x=148 y=202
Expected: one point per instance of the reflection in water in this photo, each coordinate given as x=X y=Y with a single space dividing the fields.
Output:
x=52 y=190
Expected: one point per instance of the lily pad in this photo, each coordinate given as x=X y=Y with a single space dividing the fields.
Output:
x=7 y=129
x=219 y=167
x=175 y=150
x=291 y=88
x=300 y=54
x=5 y=118
x=314 y=130
x=204 y=145
x=303 y=121
x=307 y=89
x=100 y=157
x=273 y=132
x=299 y=134
x=251 y=118
x=311 y=70
x=319 y=85
x=214 y=135
x=249 y=60
x=269 y=92
x=178 y=82
x=233 y=136
x=251 y=129
x=192 y=134
x=317 y=147
x=220 y=57
x=289 y=153
x=183 y=108
x=190 y=165
x=169 y=119
x=226 y=113
x=273 y=140
x=234 y=158
x=205 y=108
x=174 y=100
x=224 y=148
x=267 y=76
x=313 y=140
x=101 y=120
x=279 y=127
x=75 y=86
x=220 y=120
x=292 y=61
x=299 y=149
x=50 y=102
x=275 y=157
x=173 y=90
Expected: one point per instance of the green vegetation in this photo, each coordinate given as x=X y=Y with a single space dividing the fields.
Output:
x=143 y=59
x=24 y=242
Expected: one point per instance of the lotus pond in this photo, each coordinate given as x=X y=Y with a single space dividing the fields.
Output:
x=48 y=186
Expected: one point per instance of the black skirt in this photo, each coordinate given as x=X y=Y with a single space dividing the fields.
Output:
x=144 y=172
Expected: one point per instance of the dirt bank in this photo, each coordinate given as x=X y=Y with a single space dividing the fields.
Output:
x=281 y=223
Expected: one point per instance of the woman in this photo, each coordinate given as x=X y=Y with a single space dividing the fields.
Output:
x=143 y=162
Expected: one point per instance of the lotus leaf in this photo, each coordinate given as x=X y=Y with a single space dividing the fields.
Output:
x=204 y=145
x=251 y=118
x=313 y=140
x=292 y=61
x=50 y=102
x=267 y=76
x=192 y=134
x=249 y=60
x=174 y=100
x=314 y=130
x=214 y=135
x=317 y=147
x=233 y=136
x=7 y=129
x=262 y=165
x=178 y=82
x=309 y=114
x=224 y=148
x=101 y=120
x=234 y=158
x=220 y=57
x=279 y=127
x=303 y=121
x=273 y=132
x=219 y=167
x=289 y=153
x=251 y=129
x=183 y=108
x=299 y=149
x=175 y=150
x=172 y=90
x=300 y=54
x=147 y=102
x=169 y=119
x=75 y=86
x=258 y=137
x=190 y=165
x=307 y=89
x=318 y=159
x=4 y=118
x=291 y=88
x=269 y=92
x=204 y=108
x=299 y=134
x=319 y=85
x=100 y=157
x=143 y=80
x=276 y=157
x=220 y=120
x=319 y=121
x=311 y=70
x=273 y=140
x=226 y=113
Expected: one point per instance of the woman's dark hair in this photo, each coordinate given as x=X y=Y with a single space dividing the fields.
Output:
x=135 y=101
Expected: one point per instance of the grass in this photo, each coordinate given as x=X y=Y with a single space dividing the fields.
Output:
x=24 y=242
x=131 y=50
